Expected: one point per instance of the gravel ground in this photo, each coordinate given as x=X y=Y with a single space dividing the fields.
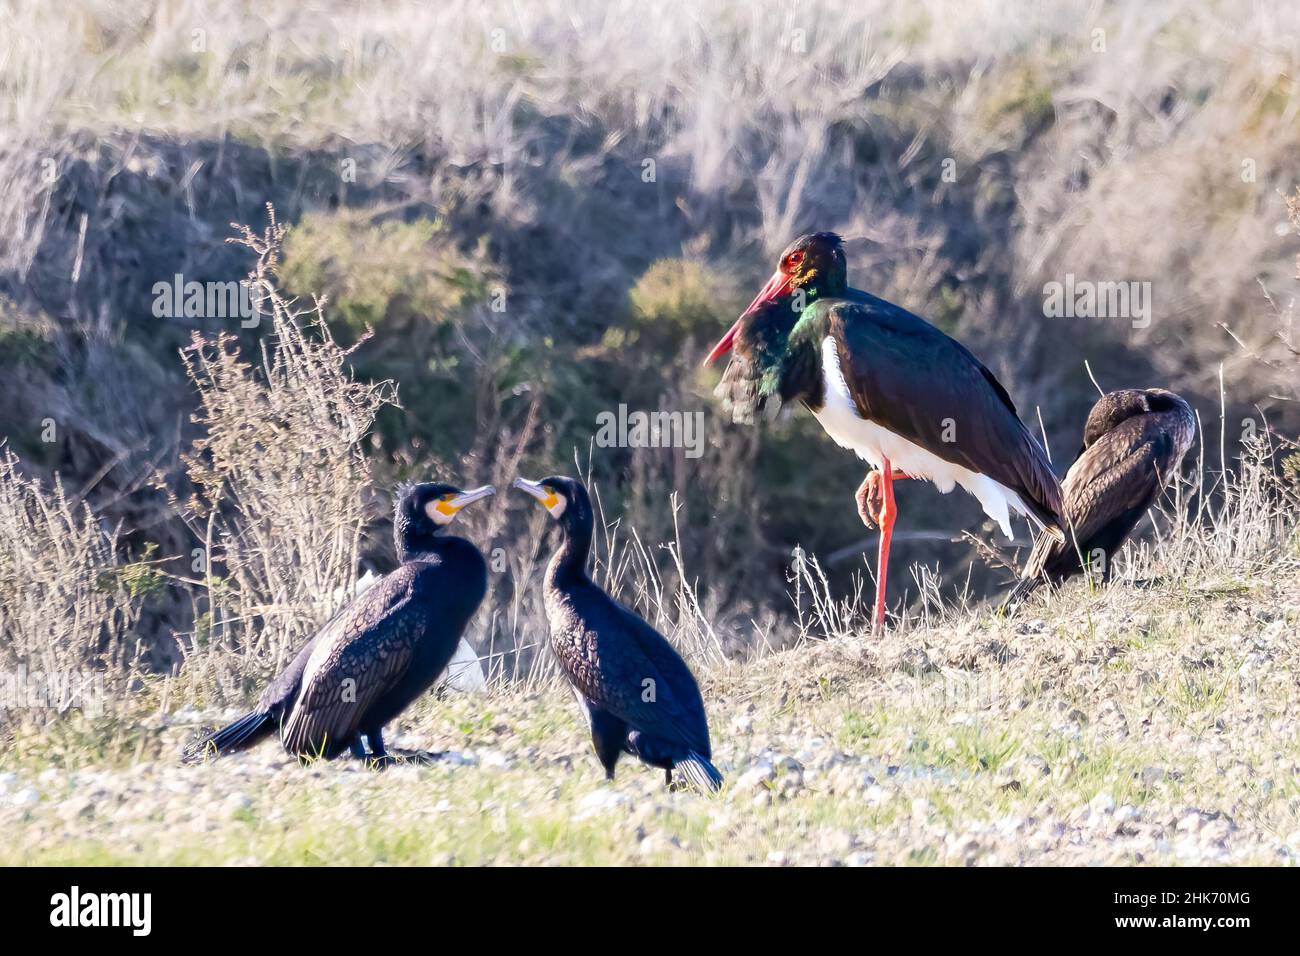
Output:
x=1125 y=727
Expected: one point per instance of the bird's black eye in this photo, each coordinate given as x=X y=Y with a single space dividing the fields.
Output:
x=794 y=260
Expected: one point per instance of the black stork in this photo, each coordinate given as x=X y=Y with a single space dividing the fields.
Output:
x=637 y=693
x=378 y=654
x=1133 y=443
x=908 y=399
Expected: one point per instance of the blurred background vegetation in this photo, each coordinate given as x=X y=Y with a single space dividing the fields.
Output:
x=527 y=214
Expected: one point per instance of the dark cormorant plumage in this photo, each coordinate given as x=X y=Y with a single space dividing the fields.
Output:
x=637 y=692
x=375 y=656
x=1133 y=443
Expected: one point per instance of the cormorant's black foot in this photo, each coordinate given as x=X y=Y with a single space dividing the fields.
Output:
x=378 y=757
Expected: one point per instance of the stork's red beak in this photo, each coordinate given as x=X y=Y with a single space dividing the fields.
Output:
x=724 y=343
x=776 y=287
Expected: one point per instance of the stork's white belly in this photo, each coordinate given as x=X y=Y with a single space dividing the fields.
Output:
x=874 y=443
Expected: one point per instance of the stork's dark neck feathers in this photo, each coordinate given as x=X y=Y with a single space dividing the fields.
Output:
x=780 y=349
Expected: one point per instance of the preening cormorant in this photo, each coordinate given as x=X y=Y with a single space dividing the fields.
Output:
x=908 y=399
x=638 y=695
x=1133 y=443
x=375 y=656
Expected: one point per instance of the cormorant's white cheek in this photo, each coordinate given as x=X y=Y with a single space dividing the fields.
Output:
x=557 y=509
x=437 y=514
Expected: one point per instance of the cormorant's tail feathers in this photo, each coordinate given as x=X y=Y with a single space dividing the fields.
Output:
x=240 y=735
x=699 y=772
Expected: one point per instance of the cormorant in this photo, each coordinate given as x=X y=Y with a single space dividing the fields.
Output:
x=908 y=399
x=637 y=693
x=375 y=656
x=1133 y=443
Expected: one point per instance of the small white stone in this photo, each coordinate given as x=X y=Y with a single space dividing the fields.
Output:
x=966 y=848
x=601 y=801
x=75 y=808
x=458 y=758
x=1103 y=803
x=1252 y=662
x=237 y=802
x=756 y=778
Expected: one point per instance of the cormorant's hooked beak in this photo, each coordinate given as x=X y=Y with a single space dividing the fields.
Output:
x=549 y=499
x=469 y=497
x=776 y=287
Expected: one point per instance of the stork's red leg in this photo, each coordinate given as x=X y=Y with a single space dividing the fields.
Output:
x=887 y=513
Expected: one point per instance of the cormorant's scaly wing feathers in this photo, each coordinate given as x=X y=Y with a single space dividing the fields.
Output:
x=359 y=656
x=632 y=671
x=1124 y=473
x=1121 y=473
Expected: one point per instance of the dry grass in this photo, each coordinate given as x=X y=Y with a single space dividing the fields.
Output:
x=280 y=480
x=68 y=601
